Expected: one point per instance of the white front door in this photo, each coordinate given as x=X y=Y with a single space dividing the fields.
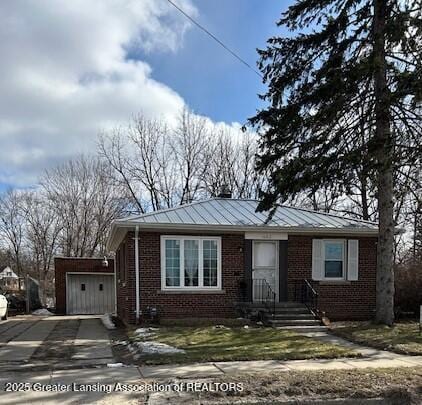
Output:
x=264 y=268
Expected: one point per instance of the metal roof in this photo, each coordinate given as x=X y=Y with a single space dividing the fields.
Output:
x=242 y=213
x=228 y=214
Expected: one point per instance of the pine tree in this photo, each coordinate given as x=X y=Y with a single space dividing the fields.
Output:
x=343 y=55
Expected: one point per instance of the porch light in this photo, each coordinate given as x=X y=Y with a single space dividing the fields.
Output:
x=104 y=263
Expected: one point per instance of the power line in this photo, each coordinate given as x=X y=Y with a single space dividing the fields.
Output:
x=215 y=38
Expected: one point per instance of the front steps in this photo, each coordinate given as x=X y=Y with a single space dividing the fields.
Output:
x=287 y=315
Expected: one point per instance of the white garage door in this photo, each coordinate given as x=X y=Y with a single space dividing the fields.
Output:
x=90 y=293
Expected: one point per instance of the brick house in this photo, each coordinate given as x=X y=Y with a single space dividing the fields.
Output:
x=208 y=259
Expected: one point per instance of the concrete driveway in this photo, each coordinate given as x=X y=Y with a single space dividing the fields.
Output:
x=40 y=353
x=33 y=341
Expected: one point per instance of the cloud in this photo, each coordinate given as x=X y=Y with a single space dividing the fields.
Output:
x=65 y=75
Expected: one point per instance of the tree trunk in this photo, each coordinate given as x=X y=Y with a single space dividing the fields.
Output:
x=384 y=154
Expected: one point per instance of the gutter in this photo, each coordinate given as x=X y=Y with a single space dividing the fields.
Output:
x=137 y=308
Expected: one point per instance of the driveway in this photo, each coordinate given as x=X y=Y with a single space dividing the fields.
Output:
x=33 y=341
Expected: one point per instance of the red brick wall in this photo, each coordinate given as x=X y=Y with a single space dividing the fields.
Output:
x=350 y=300
x=62 y=265
x=341 y=301
x=180 y=305
x=125 y=276
x=177 y=305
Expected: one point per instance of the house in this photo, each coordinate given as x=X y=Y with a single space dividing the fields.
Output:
x=9 y=281
x=207 y=258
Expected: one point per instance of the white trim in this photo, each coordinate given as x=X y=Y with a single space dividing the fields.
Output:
x=344 y=258
x=101 y=273
x=266 y=235
x=200 y=287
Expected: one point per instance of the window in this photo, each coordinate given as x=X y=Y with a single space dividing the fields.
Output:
x=100 y=287
x=334 y=259
x=190 y=262
x=82 y=287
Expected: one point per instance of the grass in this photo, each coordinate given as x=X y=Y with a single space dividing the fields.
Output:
x=400 y=385
x=203 y=344
x=403 y=338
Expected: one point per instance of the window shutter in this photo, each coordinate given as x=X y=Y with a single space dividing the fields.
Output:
x=352 y=259
x=317 y=259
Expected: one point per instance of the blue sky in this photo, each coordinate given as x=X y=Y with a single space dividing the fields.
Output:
x=73 y=69
x=211 y=80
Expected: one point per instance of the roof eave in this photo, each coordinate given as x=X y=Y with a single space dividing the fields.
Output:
x=240 y=228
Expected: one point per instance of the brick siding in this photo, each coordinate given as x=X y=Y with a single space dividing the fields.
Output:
x=340 y=301
x=63 y=265
x=353 y=300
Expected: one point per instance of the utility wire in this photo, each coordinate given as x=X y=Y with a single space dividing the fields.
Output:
x=215 y=39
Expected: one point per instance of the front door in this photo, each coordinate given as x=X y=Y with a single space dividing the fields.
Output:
x=264 y=268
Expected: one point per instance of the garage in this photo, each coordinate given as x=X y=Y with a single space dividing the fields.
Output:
x=84 y=285
x=90 y=293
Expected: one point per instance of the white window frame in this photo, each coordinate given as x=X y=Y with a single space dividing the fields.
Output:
x=200 y=240
x=344 y=259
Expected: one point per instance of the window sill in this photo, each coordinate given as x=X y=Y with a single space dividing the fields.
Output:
x=335 y=282
x=178 y=292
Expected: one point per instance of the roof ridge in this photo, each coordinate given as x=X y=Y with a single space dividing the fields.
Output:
x=147 y=214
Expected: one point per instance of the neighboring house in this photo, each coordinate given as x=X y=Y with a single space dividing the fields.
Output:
x=9 y=281
x=202 y=259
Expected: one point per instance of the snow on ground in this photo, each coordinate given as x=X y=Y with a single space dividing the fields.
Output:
x=114 y=365
x=107 y=322
x=42 y=312
x=150 y=347
x=145 y=332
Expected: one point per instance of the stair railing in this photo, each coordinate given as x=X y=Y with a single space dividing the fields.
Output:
x=306 y=294
x=263 y=292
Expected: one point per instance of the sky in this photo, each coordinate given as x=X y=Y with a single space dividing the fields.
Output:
x=72 y=69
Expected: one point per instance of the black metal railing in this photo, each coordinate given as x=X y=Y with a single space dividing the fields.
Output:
x=262 y=292
x=306 y=294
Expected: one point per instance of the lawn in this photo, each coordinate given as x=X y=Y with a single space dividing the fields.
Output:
x=403 y=338
x=400 y=385
x=202 y=344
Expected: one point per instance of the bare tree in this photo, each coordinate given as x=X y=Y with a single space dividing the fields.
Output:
x=12 y=225
x=43 y=227
x=81 y=194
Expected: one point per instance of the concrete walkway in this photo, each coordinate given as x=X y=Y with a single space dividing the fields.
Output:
x=92 y=343
x=203 y=370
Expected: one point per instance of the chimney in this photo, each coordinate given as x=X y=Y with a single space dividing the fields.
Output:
x=225 y=192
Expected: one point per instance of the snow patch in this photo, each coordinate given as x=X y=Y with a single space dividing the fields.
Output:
x=157 y=348
x=42 y=312
x=114 y=365
x=107 y=322
x=145 y=332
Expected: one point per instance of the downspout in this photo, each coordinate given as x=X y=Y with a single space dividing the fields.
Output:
x=137 y=310
x=115 y=283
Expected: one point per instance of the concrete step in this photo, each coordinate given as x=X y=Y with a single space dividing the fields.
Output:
x=303 y=329
x=288 y=311
x=294 y=322
x=288 y=316
x=278 y=305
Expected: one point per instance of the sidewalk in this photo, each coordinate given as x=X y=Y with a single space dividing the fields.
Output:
x=371 y=358
x=204 y=370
